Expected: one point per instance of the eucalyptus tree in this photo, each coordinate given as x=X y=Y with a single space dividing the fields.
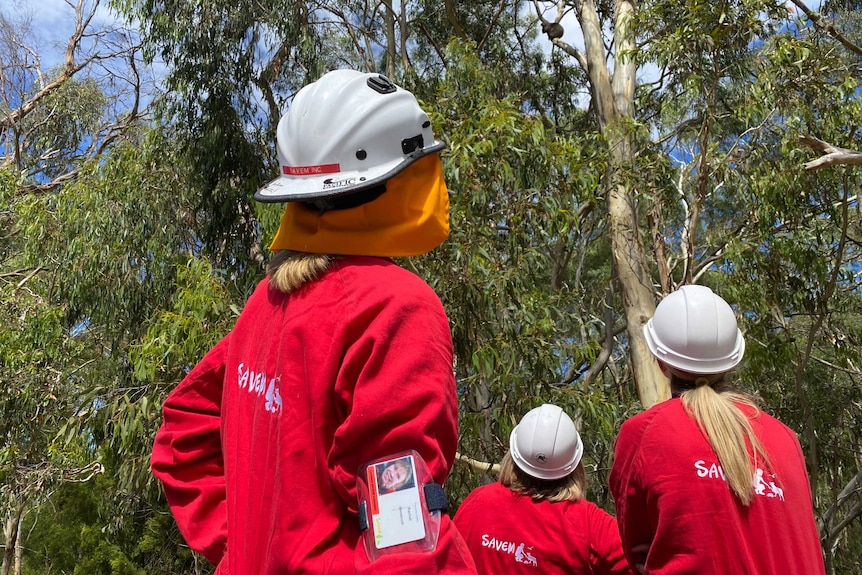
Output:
x=233 y=69
x=520 y=272
x=812 y=318
x=72 y=302
x=715 y=184
x=580 y=190
x=52 y=121
x=745 y=216
x=608 y=60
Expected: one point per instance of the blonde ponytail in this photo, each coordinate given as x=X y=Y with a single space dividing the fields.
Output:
x=729 y=432
x=289 y=270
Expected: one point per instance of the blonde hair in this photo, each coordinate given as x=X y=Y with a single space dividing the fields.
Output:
x=289 y=270
x=572 y=487
x=728 y=431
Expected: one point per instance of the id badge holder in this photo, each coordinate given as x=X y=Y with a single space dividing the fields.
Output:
x=399 y=505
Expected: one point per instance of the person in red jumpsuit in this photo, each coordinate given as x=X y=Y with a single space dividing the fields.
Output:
x=339 y=357
x=535 y=518
x=706 y=482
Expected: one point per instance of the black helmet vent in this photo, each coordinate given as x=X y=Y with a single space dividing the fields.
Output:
x=381 y=84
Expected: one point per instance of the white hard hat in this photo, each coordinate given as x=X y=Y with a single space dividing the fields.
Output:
x=546 y=444
x=347 y=132
x=695 y=330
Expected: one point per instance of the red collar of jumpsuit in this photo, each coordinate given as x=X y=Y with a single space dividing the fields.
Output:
x=262 y=441
x=670 y=493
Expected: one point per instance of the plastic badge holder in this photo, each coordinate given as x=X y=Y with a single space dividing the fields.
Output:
x=393 y=505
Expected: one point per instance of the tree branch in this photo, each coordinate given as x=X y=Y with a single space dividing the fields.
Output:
x=70 y=69
x=853 y=486
x=817 y=20
x=608 y=343
x=491 y=25
x=832 y=155
x=559 y=42
x=482 y=466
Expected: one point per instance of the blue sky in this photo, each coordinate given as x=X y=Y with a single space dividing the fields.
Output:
x=52 y=22
x=47 y=25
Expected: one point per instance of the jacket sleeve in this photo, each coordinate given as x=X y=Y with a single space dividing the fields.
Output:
x=630 y=501
x=396 y=388
x=187 y=456
x=606 y=549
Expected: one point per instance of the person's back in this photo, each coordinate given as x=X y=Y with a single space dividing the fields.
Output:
x=705 y=482
x=340 y=359
x=536 y=519
x=670 y=489
x=291 y=466
x=508 y=532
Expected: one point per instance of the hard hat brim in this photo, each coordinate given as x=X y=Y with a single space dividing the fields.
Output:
x=695 y=365
x=334 y=183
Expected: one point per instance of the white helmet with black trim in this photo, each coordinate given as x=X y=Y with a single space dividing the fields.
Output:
x=348 y=131
x=695 y=330
x=546 y=444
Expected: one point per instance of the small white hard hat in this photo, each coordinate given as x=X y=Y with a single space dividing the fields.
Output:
x=347 y=132
x=694 y=330
x=546 y=444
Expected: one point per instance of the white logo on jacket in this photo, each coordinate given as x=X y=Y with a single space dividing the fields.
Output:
x=521 y=552
x=765 y=484
x=256 y=383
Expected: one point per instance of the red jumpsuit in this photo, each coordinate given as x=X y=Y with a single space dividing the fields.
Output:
x=509 y=533
x=670 y=494
x=261 y=443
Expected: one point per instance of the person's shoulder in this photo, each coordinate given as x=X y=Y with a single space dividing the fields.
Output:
x=262 y=293
x=659 y=413
x=261 y=288
x=488 y=490
x=581 y=507
x=583 y=518
x=774 y=426
x=592 y=512
x=478 y=499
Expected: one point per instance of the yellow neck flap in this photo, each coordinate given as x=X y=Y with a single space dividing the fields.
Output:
x=409 y=219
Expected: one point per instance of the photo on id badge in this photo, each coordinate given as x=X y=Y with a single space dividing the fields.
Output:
x=397 y=514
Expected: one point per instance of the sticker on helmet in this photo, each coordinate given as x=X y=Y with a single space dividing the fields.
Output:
x=330 y=183
x=311 y=170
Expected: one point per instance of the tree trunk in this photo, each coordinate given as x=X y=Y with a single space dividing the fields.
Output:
x=613 y=96
x=389 y=26
x=652 y=386
x=19 y=552
x=11 y=534
x=402 y=26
